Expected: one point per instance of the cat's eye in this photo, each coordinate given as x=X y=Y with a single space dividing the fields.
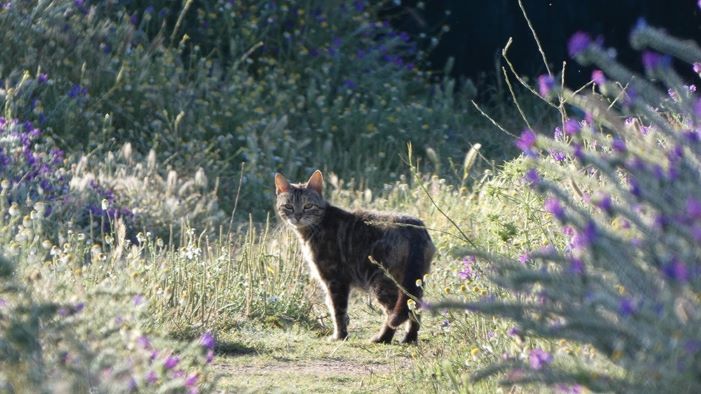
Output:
x=308 y=206
x=287 y=207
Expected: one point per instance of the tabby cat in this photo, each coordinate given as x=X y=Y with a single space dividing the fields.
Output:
x=340 y=248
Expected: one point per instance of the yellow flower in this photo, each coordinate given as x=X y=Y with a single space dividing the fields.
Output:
x=475 y=351
x=447 y=290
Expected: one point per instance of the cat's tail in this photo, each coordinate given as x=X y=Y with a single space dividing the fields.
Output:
x=421 y=253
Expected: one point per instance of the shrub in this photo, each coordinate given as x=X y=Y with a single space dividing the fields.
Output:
x=622 y=183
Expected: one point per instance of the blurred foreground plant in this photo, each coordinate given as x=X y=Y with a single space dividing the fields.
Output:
x=624 y=185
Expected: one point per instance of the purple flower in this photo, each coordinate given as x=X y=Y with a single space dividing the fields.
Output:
x=567 y=389
x=697 y=66
x=653 y=60
x=77 y=91
x=42 y=78
x=171 y=362
x=144 y=342
x=604 y=203
x=349 y=84
x=618 y=145
x=578 y=43
x=359 y=5
x=598 y=77
x=514 y=332
x=467 y=272
x=191 y=380
x=558 y=156
x=546 y=83
x=532 y=178
x=526 y=141
x=134 y=19
x=539 y=358
x=676 y=271
x=210 y=356
x=576 y=266
x=692 y=346
x=572 y=126
x=693 y=208
x=523 y=258
x=553 y=206
x=151 y=377
x=626 y=307
x=137 y=299
x=634 y=187
x=207 y=340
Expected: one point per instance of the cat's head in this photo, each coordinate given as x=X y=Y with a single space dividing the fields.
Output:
x=300 y=205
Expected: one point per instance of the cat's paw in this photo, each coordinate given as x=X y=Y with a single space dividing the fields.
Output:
x=380 y=338
x=410 y=339
x=337 y=337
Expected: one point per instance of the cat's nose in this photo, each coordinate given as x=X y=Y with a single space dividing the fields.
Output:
x=298 y=216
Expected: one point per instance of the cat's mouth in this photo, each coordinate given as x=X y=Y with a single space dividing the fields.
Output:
x=297 y=223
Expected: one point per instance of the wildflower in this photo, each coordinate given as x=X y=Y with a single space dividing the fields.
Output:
x=604 y=203
x=42 y=78
x=171 y=362
x=576 y=266
x=514 y=332
x=143 y=341
x=539 y=358
x=77 y=91
x=626 y=307
x=137 y=299
x=532 y=177
x=474 y=351
x=697 y=68
x=572 y=126
x=557 y=155
x=676 y=271
x=210 y=356
x=151 y=377
x=523 y=258
x=693 y=208
x=207 y=340
x=526 y=141
x=692 y=346
x=553 y=206
x=618 y=145
x=557 y=134
x=191 y=380
x=598 y=77
x=653 y=60
x=578 y=43
x=546 y=83
x=467 y=272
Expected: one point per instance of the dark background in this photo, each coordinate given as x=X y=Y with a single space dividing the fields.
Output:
x=479 y=29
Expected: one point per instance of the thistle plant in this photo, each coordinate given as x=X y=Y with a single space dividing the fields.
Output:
x=622 y=182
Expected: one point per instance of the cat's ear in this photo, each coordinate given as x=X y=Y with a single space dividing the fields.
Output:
x=281 y=184
x=316 y=182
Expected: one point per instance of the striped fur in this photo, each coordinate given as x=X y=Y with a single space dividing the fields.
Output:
x=340 y=248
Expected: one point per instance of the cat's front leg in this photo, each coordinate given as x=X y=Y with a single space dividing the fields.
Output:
x=337 y=300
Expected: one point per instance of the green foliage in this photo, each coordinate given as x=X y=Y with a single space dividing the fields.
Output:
x=210 y=85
